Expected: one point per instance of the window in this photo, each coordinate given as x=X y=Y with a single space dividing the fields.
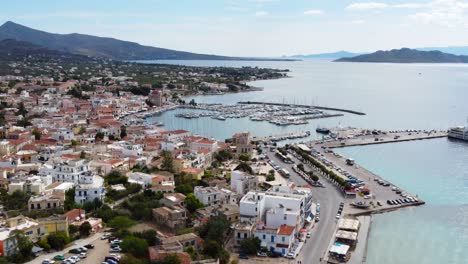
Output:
x=32 y=206
x=238 y=235
x=282 y=239
x=272 y=238
x=48 y=205
x=245 y=235
x=55 y=205
x=264 y=236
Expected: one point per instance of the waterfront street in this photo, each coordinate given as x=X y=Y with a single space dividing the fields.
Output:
x=329 y=199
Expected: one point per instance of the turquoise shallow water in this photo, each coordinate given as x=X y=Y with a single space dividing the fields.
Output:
x=394 y=96
x=436 y=170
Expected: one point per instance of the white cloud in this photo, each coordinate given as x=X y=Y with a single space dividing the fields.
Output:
x=366 y=6
x=261 y=13
x=313 y=12
x=358 y=22
x=448 y=13
x=409 y=5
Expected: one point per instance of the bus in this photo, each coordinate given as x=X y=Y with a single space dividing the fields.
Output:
x=283 y=158
x=284 y=172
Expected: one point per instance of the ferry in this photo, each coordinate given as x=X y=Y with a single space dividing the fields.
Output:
x=459 y=132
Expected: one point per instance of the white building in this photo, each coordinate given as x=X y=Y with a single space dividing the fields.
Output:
x=66 y=171
x=282 y=205
x=213 y=195
x=63 y=134
x=141 y=178
x=242 y=183
x=280 y=240
x=91 y=187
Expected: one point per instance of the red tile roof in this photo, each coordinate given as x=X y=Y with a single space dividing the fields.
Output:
x=285 y=230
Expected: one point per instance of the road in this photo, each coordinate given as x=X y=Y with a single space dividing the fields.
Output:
x=329 y=199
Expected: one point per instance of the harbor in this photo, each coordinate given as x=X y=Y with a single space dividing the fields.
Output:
x=368 y=193
x=281 y=115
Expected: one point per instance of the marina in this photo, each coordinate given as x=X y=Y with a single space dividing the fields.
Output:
x=281 y=115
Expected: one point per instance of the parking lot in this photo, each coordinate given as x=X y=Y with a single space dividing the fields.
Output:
x=94 y=256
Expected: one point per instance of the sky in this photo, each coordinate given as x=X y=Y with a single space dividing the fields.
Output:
x=254 y=27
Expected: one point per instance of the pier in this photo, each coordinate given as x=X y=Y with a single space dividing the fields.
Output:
x=307 y=106
x=280 y=137
x=360 y=137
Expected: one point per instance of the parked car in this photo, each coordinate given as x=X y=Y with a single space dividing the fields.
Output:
x=89 y=246
x=115 y=249
x=243 y=256
x=308 y=235
x=59 y=257
x=82 y=255
x=74 y=251
x=48 y=261
x=262 y=254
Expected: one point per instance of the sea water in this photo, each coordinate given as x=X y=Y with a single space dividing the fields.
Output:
x=393 y=96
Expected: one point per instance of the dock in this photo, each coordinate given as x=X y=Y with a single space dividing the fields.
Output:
x=307 y=106
x=356 y=138
x=280 y=137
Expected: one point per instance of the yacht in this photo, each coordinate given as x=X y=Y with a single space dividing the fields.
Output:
x=459 y=132
x=322 y=130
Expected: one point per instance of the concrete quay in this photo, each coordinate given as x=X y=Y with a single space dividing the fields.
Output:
x=378 y=192
x=355 y=137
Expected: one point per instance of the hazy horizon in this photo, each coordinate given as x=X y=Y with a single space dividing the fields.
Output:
x=260 y=28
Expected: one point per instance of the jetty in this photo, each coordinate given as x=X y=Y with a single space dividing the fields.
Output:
x=361 y=137
x=306 y=106
x=280 y=137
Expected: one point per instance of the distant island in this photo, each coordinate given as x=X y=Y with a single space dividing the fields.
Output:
x=406 y=55
x=330 y=55
x=109 y=48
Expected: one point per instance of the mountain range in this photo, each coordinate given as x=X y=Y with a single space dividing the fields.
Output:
x=406 y=55
x=101 y=47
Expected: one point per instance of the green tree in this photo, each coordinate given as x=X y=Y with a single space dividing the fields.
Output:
x=82 y=154
x=300 y=166
x=37 y=134
x=244 y=167
x=135 y=246
x=70 y=199
x=85 y=229
x=74 y=142
x=250 y=245
x=73 y=229
x=169 y=259
x=130 y=259
x=223 y=155
x=99 y=135
x=24 y=248
x=167 y=163
x=58 y=240
x=22 y=109
x=215 y=229
x=192 y=203
x=123 y=131
x=121 y=222
x=116 y=177
x=18 y=200
x=244 y=157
